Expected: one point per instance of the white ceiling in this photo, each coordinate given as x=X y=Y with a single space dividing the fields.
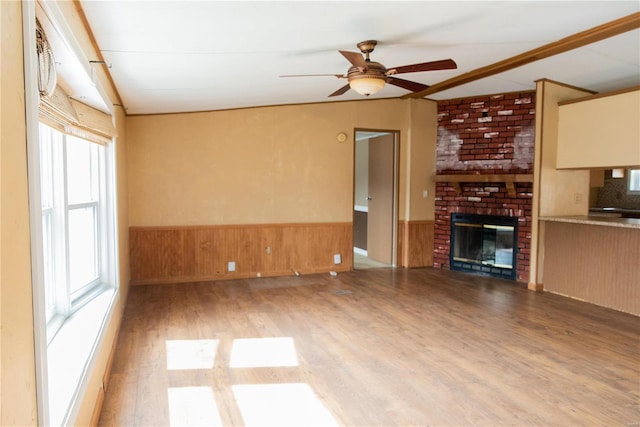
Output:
x=178 y=56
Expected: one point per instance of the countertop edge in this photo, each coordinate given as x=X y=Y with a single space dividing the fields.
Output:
x=594 y=220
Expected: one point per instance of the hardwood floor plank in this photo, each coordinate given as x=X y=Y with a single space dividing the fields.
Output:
x=379 y=347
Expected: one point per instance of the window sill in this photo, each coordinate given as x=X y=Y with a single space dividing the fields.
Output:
x=70 y=354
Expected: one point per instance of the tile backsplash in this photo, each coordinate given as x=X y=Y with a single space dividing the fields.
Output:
x=614 y=195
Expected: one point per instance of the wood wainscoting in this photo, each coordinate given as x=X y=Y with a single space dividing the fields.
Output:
x=200 y=253
x=593 y=263
x=415 y=243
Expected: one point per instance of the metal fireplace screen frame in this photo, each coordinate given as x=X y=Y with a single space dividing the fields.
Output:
x=484 y=244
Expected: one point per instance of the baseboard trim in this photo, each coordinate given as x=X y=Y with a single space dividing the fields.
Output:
x=234 y=276
x=97 y=409
x=536 y=287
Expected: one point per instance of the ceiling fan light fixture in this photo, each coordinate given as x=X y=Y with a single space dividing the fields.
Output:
x=367 y=77
x=367 y=85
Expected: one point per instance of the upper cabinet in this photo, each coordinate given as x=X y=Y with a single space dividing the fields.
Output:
x=600 y=131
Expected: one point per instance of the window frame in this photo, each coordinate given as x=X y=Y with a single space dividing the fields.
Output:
x=96 y=202
x=65 y=367
x=65 y=301
x=634 y=191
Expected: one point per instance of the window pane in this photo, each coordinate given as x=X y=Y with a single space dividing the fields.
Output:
x=634 y=180
x=46 y=136
x=47 y=255
x=83 y=265
x=82 y=168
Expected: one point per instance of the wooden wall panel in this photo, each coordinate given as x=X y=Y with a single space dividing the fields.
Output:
x=167 y=253
x=360 y=229
x=400 y=261
x=597 y=264
x=187 y=254
x=416 y=241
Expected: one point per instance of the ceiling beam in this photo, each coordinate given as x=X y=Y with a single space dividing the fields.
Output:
x=601 y=32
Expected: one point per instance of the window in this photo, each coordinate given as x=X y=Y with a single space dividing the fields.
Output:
x=75 y=223
x=71 y=147
x=634 y=181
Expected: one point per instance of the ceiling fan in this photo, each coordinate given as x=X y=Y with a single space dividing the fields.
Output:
x=367 y=77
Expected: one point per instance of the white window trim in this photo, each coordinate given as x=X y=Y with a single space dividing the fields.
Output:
x=73 y=326
x=629 y=190
x=32 y=96
x=43 y=395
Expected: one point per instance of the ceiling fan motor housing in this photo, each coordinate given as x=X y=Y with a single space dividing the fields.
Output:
x=374 y=75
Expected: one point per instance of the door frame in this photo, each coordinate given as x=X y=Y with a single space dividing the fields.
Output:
x=396 y=187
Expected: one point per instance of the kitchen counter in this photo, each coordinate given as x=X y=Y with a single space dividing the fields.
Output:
x=596 y=220
x=615 y=212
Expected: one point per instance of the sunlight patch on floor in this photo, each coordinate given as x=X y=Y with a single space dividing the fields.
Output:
x=279 y=405
x=263 y=352
x=193 y=406
x=191 y=354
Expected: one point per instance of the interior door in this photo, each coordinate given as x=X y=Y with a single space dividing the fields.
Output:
x=381 y=184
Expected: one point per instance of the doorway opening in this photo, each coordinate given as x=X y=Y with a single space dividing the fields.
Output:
x=375 y=199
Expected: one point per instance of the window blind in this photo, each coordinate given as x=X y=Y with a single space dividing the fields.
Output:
x=75 y=118
x=58 y=110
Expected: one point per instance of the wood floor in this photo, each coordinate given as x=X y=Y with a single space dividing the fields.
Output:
x=372 y=347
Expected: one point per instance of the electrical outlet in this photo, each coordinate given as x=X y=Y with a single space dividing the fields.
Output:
x=337 y=259
x=577 y=198
x=231 y=266
x=425 y=194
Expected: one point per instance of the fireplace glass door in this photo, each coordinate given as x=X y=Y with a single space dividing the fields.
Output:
x=484 y=244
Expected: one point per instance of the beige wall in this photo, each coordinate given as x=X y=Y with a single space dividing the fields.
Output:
x=123 y=203
x=17 y=380
x=586 y=126
x=262 y=165
x=422 y=159
x=555 y=192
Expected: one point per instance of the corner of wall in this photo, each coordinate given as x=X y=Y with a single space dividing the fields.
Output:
x=556 y=192
x=415 y=228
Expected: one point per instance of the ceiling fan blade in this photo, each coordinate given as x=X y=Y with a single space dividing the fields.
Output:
x=445 y=64
x=340 y=76
x=340 y=91
x=355 y=58
x=406 y=84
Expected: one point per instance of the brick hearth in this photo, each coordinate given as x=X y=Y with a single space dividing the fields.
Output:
x=488 y=135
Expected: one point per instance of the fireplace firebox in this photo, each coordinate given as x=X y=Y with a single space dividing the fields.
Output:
x=484 y=244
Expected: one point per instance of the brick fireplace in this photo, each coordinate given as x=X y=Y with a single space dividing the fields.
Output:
x=484 y=167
